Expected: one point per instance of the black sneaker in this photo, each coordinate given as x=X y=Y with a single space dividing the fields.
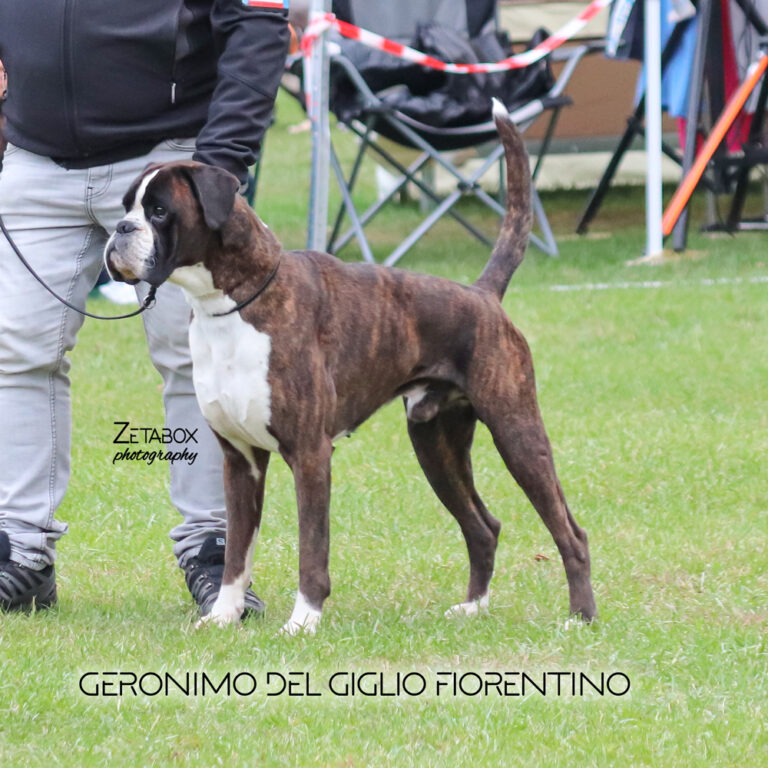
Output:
x=22 y=588
x=203 y=575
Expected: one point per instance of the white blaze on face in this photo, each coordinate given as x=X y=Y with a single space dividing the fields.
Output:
x=137 y=248
x=136 y=214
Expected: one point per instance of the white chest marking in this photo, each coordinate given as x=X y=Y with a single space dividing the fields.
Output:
x=230 y=365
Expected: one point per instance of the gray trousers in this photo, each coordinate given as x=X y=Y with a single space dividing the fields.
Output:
x=60 y=219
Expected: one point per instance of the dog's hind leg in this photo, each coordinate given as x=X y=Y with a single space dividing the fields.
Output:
x=442 y=447
x=519 y=435
x=244 y=488
x=312 y=478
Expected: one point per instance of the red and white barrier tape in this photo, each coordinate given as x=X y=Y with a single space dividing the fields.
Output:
x=325 y=21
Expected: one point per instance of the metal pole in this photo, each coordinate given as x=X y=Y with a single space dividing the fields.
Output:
x=653 y=202
x=316 y=90
x=634 y=127
x=696 y=90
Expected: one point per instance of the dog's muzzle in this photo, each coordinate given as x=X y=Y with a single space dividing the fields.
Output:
x=121 y=274
x=124 y=254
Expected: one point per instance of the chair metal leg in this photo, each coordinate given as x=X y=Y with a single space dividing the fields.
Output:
x=548 y=244
x=465 y=184
x=421 y=230
x=415 y=139
x=546 y=142
x=410 y=176
x=379 y=204
x=351 y=211
x=350 y=184
x=427 y=190
x=406 y=131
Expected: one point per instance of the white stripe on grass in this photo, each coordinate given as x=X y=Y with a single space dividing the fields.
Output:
x=623 y=285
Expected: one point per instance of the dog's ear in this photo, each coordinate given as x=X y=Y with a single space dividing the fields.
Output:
x=216 y=191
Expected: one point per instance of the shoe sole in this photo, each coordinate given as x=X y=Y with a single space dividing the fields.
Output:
x=33 y=605
x=47 y=602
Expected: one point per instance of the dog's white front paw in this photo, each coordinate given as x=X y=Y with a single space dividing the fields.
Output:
x=219 y=619
x=470 y=608
x=226 y=610
x=573 y=623
x=304 y=618
x=293 y=628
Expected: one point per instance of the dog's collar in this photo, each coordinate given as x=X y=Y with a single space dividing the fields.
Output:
x=261 y=289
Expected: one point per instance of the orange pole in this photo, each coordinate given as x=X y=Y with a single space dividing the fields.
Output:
x=725 y=121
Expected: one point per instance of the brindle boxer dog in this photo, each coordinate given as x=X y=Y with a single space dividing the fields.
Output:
x=292 y=349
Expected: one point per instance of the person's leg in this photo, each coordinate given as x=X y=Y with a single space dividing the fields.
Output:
x=43 y=207
x=197 y=490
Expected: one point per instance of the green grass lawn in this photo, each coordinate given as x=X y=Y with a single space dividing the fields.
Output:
x=655 y=401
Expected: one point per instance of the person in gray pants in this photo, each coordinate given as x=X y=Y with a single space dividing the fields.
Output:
x=129 y=84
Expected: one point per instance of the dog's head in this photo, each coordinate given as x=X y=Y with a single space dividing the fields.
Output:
x=175 y=214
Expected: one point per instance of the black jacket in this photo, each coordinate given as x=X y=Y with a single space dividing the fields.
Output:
x=96 y=81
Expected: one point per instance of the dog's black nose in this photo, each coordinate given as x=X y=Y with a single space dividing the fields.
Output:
x=125 y=227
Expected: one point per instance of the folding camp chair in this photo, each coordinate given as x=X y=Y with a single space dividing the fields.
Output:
x=376 y=114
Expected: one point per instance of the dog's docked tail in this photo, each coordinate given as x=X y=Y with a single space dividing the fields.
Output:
x=513 y=238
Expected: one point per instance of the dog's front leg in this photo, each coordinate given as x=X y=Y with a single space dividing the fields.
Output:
x=244 y=489
x=312 y=477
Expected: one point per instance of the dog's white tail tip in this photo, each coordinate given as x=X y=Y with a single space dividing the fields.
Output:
x=500 y=112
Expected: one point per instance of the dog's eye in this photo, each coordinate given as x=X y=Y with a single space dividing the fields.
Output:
x=158 y=212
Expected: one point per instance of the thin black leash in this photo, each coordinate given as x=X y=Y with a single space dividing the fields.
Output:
x=149 y=300
x=244 y=304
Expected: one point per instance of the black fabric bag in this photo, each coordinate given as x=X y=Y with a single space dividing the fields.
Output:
x=436 y=98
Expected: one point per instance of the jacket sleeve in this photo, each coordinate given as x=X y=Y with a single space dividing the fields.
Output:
x=252 y=41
